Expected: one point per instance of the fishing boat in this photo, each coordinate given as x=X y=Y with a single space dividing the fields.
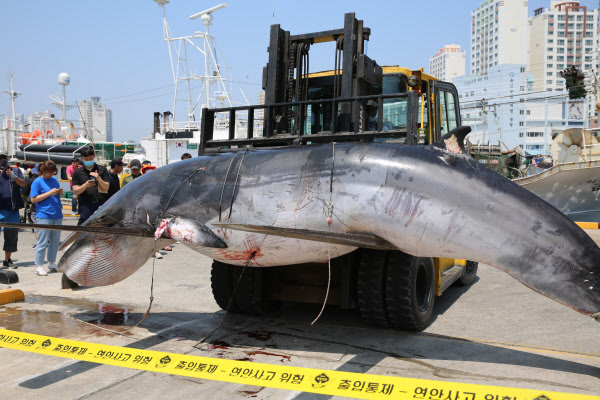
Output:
x=572 y=184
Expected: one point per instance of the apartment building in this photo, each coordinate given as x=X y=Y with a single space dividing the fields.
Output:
x=97 y=120
x=498 y=32
x=563 y=35
x=448 y=63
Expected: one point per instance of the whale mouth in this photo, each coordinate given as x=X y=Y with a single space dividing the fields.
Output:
x=98 y=259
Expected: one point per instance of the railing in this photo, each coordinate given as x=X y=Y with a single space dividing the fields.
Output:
x=342 y=127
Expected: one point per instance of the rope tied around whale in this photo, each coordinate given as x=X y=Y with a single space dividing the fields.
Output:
x=329 y=221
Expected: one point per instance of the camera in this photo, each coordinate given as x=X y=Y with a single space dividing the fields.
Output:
x=3 y=164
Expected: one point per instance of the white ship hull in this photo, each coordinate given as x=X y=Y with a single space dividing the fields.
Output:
x=573 y=188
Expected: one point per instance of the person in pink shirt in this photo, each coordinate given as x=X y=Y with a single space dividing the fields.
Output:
x=70 y=170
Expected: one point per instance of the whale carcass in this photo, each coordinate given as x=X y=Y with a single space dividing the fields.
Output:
x=303 y=204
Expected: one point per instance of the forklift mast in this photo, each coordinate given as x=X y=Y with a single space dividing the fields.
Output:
x=285 y=75
x=357 y=83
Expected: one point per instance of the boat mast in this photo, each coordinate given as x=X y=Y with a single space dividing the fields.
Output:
x=13 y=122
x=178 y=54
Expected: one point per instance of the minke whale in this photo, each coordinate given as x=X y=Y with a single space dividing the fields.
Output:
x=288 y=206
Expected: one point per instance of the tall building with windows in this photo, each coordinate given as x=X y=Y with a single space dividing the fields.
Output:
x=448 y=63
x=97 y=119
x=502 y=107
x=563 y=35
x=498 y=32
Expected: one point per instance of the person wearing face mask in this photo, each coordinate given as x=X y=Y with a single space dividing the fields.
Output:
x=90 y=184
x=45 y=194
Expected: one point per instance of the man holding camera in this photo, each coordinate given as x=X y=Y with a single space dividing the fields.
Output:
x=90 y=184
x=11 y=182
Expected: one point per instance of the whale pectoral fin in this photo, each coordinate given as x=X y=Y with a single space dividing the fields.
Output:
x=190 y=232
x=354 y=239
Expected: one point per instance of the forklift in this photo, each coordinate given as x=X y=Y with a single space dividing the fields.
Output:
x=358 y=100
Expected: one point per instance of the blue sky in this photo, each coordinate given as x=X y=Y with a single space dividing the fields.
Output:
x=116 y=50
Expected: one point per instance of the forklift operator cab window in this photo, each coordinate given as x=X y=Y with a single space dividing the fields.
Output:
x=394 y=110
x=448 y=120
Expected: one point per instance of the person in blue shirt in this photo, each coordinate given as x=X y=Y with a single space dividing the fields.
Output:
x=45 y=194
x=11 y=182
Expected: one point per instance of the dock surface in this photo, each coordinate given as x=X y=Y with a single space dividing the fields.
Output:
x=495 y=332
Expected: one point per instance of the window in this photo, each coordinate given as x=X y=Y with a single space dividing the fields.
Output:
x=535 y=134
x=550 y=40
x=549 y=74
x=521 y=123
x=549 y=57
x=521 y=112
x=560 y=50
x=522 y=88
x=561 y=18
x=561 y=42
x=521 y=133
x=589 y=26
x=448 y=111
x=561 y=26
x=522 y=69
x=560 y=66
x=588 y=66
x=549 y=82
x=549 y=65
x=550 y=49
x=560 y=58
x=528 y=112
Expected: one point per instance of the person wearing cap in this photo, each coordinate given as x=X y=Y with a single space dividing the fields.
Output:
x=116 y=167
x=11 y=182
x=136 y=171
x=90 y=184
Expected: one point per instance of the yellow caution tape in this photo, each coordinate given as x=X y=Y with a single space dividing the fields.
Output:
x=336 y=383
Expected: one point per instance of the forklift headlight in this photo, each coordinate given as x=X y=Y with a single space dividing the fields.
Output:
x=413 y=81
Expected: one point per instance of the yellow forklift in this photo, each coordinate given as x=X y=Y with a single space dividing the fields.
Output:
x=357 y=100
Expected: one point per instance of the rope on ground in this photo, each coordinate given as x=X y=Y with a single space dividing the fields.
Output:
x=230 y=300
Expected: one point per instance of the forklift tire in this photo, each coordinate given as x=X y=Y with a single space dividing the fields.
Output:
x=469 y=274
x=410 y=291
x=370 y=287
x=246 y=295
x=222 y=284
x=66 y=283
